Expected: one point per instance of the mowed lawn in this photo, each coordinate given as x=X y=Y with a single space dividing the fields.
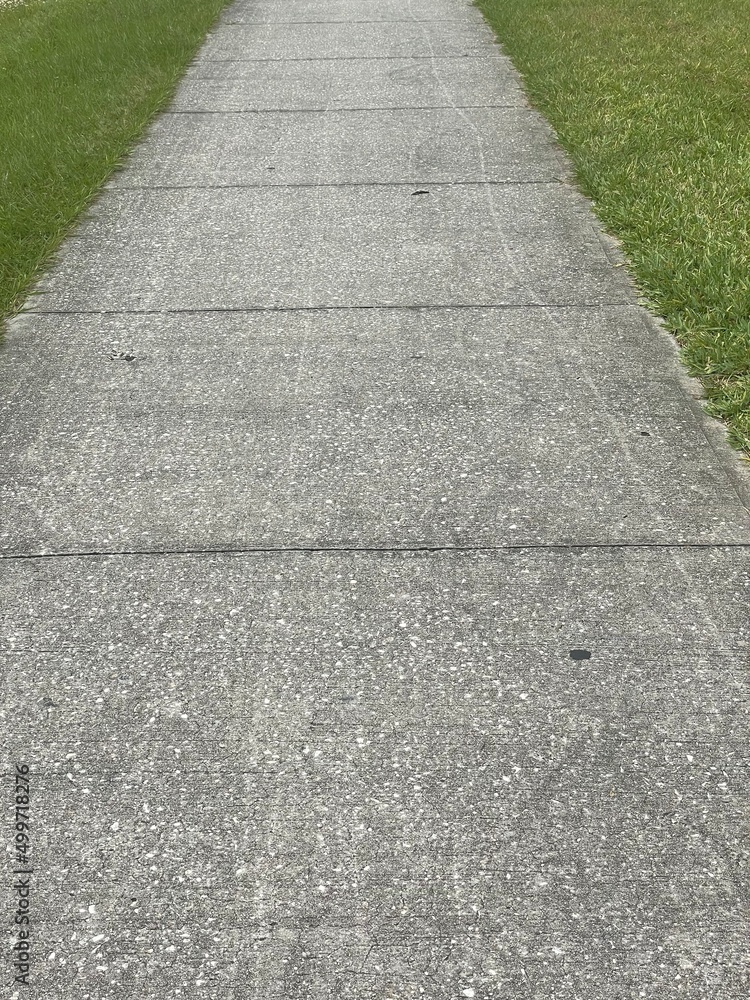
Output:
x=651 y=99
x=79 y=80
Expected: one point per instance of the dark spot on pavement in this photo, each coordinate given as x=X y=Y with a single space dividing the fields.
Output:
x=580 y=654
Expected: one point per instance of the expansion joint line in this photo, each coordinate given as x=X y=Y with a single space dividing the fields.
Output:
x=373 y=549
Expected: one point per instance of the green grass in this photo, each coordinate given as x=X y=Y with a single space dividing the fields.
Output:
x=79 y=80
x=651 y=99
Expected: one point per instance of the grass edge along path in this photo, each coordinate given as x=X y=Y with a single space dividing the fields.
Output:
x=80 y=81
x=651 y=101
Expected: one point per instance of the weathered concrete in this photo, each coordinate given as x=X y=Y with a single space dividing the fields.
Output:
x=349 y=84
x=248 y=248
x=345 y=40
x=383 y=775
x=492 y=743
x=325 y=147
x=349 y=427
x=360 y=11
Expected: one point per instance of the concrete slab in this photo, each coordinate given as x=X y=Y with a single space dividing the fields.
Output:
x=603 y=342
x=406 y=782
x=360 y=11
x=353 y=428
x=465 y=755
x=326 y=147
x=374 y=40
x=348 y=84
x=380 y=245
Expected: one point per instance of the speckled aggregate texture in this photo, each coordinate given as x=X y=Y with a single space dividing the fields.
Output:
x=374 y=591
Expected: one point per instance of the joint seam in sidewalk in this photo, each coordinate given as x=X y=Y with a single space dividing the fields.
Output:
x=392 y=20
x=334 y=111
x=319 y=308
x=489 y=57
x=373 y=549
x=329 y=184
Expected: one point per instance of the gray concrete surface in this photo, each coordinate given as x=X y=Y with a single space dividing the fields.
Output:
x=349 y=84
x=325 y=147
x=383 y=245
x=374 y=589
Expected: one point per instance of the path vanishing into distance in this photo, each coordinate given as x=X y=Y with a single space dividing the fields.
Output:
x=374 y=592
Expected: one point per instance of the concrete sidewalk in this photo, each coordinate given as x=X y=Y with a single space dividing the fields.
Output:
x=374 y=589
